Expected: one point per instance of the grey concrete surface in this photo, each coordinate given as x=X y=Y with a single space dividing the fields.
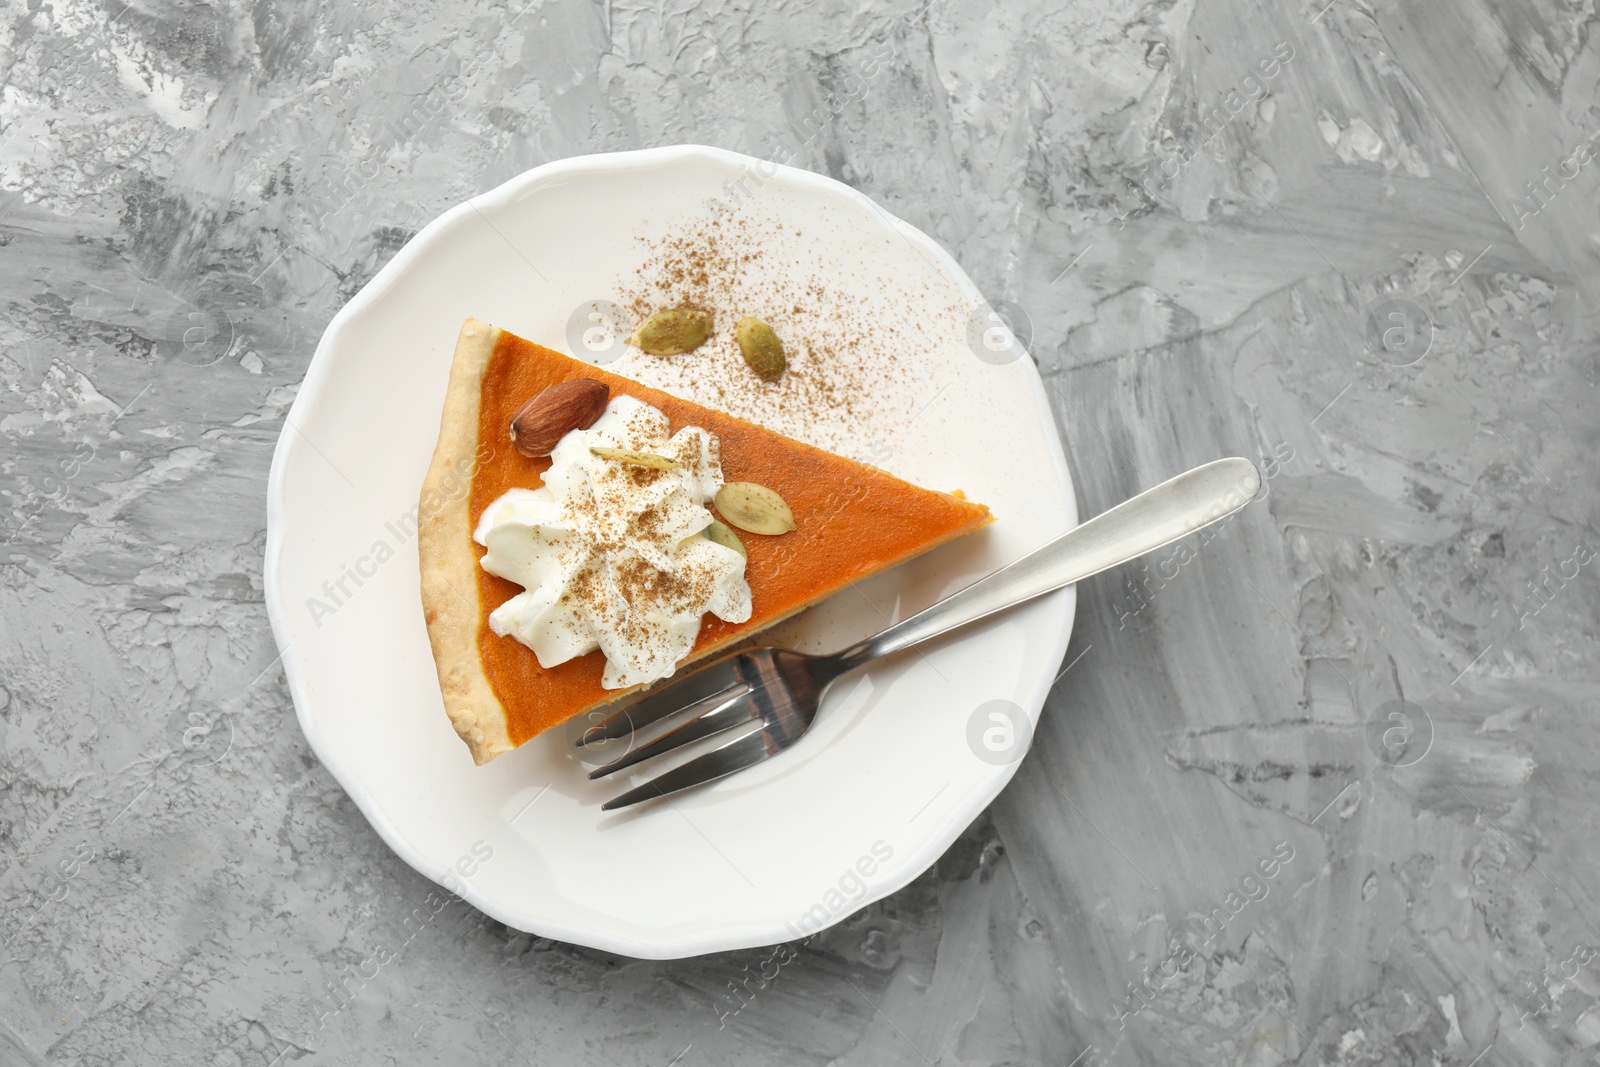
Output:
x=1320 y=791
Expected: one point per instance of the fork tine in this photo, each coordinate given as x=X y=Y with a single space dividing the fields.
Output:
x=741 y=707
x=734 y=756
x=696 y=687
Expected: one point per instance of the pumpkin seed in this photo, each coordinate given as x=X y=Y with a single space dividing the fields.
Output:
x=754 y=508
x=762 y=350
x=672 y=331
x=636 y=459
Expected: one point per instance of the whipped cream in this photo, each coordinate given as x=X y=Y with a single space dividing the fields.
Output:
x=612 y=556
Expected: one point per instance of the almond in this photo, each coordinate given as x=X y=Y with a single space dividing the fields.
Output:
x=542 y=422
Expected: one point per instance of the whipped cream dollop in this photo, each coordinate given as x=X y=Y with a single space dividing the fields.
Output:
x=613 y=556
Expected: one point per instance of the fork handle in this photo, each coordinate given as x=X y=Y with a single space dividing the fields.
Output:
x=1156 y=517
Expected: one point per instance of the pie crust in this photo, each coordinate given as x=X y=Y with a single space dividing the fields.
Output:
x=450 y=597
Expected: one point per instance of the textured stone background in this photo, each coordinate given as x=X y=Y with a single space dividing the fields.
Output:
x=1385 y=669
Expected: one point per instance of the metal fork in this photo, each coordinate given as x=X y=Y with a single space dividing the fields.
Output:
x=782 y=689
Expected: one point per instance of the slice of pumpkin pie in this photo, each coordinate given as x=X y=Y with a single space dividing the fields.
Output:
x=582 y=535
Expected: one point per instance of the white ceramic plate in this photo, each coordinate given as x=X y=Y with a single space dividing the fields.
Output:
x=903 y=756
